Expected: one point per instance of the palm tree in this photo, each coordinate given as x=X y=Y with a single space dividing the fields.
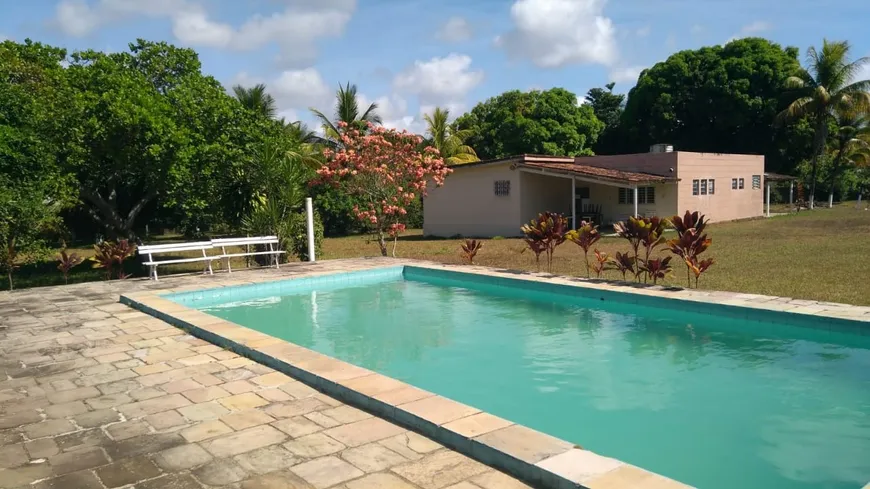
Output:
x=852 y=143
x=256 y=99
x=825 y=85
x=347 y=111
x=449 y=141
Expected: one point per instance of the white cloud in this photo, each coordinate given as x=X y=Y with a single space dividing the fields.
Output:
x=864 y=74
x=553 y=33
x=440 y=80
x=626 y=74
x=294 y=30
x=750 y=30
x=295 y=91
x=697 y=29
x=456 y=29
x=643 y=31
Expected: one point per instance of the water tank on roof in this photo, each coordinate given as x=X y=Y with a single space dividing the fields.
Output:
x=661 y=148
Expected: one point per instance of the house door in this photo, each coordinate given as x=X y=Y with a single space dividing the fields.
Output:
x=582 y=197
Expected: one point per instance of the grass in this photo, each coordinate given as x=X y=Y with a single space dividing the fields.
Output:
x=820 y=255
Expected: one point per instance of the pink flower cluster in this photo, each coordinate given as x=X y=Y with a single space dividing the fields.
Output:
x=385 y=170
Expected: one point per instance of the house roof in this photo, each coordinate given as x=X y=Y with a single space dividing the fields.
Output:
x=778 y=177
x=569 y=165
x=597 y=172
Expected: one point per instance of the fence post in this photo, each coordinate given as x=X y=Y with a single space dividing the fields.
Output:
x=309 y=211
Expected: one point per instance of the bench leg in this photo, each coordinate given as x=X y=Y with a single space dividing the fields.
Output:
x=229 y=267
x=154 y=272
x=277 y=260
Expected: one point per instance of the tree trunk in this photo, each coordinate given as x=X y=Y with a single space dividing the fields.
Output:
x=9 y=274
x=821 y=136
x=831 y=198
x=382 y=243
x=858 y=205
x=108 y=215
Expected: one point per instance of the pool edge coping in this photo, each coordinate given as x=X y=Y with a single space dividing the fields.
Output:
x=532 y=456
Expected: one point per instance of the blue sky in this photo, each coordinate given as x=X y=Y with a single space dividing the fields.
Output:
x=410 y=55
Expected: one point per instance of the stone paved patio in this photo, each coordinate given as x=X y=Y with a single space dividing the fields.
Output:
x=97 y=395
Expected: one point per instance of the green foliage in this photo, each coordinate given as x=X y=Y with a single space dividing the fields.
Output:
x=719 y=99
x=646 y=232
x=585 y=236
x=335 y=209
x=110 y=255
x=256 y=99
x=449 y=141
x=536 y=122
x=298 y=236
x=66 y=262
x=347 y=110
x=607 y=107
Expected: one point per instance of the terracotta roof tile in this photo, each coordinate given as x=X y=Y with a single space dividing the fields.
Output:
x=598 y=172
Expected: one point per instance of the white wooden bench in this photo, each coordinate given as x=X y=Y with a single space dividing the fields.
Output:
x=270 y=241
x=150 y=250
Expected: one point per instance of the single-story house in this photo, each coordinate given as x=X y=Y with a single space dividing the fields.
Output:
x=496 y=197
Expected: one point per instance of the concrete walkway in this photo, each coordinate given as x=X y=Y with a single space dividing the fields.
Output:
x=95 y=395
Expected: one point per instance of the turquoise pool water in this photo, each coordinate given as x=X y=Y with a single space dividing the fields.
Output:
x=714 y=402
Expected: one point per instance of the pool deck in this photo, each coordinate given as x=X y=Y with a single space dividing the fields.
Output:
x=99 y=395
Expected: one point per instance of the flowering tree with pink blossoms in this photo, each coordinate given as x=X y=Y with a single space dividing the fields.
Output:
x=386 y=171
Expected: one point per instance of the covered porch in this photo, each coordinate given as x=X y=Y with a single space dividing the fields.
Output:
x=586 y=193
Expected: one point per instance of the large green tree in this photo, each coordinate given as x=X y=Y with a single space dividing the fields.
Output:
x=608 y=107
x=718 y=99
x=825 y=86
x=348 y=111
x=256 y=99
x=546 y=122
x=449 y=141
x=152 y=130
x=35 y=118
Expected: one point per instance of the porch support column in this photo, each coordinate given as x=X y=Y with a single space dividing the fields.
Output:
x=573 y=202
x=634 y=189
x=790 y=192
x=767 y=198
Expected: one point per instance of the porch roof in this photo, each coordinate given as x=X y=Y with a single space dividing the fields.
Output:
x=596 y=172
x=778 y=177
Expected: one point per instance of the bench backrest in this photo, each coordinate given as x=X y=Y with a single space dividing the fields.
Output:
x=174 y=247
x=254 y=240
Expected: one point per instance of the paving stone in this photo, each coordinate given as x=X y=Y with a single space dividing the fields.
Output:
x=410 y=445
x=440 y=469
x=381 y=481
x=267 y=459
x=239 y=386
x=220 y=473
x=164 y=420
x=365 y=431
x=22 y=476
x=18 y=419
x=524 y=443
x=277 y=480
x=325 y=472
x=244 y=441
x=477 y=424
x=223 y=355
x=347 y=414
x=152 y=406
x=109 y=401
x=140 y=445
x=171 y=481
x=127 y=471
x=373 y=457
x=113 y=376
x=181 y=386
x=155 y=368
x=494 y=479
x=274 y=395
x=86 y=458
x=314 y=445
x=439 y=410
x=237 y=363
x=50 y=427
x=205 y=430
x=203 y=411
x=12 y=456
x=73 y=395
x=295 y=408
x=84 y=479
x=207 y=380
x=297 y=426
x=272 y=379
x=241 y=420
x=205 y=394
x=240 y=402
x=97 y=418
x=146 y=393
x=66 y=409
x=112 y=357
x=42 y=448
x=127 y=429
x=196 y=360
x=80 y=439
x=182 y=458
x=322 y=420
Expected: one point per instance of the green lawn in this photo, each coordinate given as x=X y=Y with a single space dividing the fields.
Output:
x=822 y=255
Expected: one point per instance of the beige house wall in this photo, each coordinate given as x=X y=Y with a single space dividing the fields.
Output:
x=725 y=204
x=612 y=211
x=544 y=193
x=467 y=204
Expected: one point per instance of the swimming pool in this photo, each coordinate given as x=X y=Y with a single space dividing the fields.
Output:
x=711 y=400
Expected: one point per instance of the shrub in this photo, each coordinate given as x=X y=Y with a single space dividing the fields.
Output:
x=601 y=261
x=623 y=263
x=543 y=234
x=111 y=254
x=65 y=262
x=297 y=236
x=585 y=236
x=470 y=249
x=657 y=269
x=690 y=243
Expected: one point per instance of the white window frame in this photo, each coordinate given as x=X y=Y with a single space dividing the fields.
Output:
x=696 y=187
x=740 y=184
x=711 y=186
